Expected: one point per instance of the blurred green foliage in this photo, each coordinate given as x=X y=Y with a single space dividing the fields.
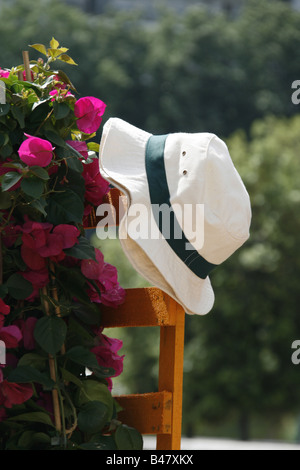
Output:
x=231 y=76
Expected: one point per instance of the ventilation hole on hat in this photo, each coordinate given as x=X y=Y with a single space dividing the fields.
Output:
x=184 y=172
x=184 y=153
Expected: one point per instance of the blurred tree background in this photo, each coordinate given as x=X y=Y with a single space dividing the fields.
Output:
x=230 y=75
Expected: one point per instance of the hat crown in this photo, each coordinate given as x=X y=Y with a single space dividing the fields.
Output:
x=199 y=171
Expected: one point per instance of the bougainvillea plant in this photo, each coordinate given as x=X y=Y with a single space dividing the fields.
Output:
x=56 y=363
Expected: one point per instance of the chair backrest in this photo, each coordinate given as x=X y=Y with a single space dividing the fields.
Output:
x=158 y=413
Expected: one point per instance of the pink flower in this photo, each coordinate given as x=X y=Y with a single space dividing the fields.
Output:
x=68 y=233
x=81 y=147
x=107 y=358
x=93 y=269
x=10 y=235
x=14 y=394
x=95 y=186
x=88 y=111
x=27 y=329
x=24 y=76
x=4 y=310
x=10 y=335
x=106 y=354
x=36 y=151
x=39 y=243
x=60 y=94
x=38 y=279
x=111 y=293
x=4 y=73
x=105 y=276
x=113 y=297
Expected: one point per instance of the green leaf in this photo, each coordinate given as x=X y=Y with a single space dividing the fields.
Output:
x=55 y=138
x=32 y=440
x=50 y=333
x=3 y=291
x=82 y=356
x=18 y=287
x=39 y=204
x=4 y=109
x=61 y=110
x=89 y=313
x=39 y=47
x=94 y=390
x=4 y=139
x=6 y=150
x=10 y=179
x=35 y=417
x=5 y=200
x=65 y=207
x=53 y=52
x=18 y=114
x=40 y=172
x=65 y=79
x=26 y=374
x=82 y=250
x=73 y=283
x=128 y=438
x=93 y=417
x=32 y=359
x=40 y=111
x=75 y=164
x=54 y=43
x=66 y=58
x=93 y=146
x=33 y=187
x=69 y=377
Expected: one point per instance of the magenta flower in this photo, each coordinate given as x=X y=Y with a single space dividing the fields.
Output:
x=89 y=112
x=60 y=94
x=95 y=186
x=38 y=279
x=113 y=297
x=41 y=242
x=11 y=336
x=106 y=355
x=4 y=310
x=68 y=234
x=81 y=147
x=10 y=235
x=27 y=329
x=36 y=151
x=14 y=394
x=4 y=73
x=93 y=269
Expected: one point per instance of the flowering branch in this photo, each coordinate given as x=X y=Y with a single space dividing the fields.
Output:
x=56 y=385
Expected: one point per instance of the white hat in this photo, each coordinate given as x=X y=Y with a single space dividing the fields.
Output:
x=176 y=171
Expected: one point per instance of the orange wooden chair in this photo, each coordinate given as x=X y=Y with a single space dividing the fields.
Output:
x=158 y=413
